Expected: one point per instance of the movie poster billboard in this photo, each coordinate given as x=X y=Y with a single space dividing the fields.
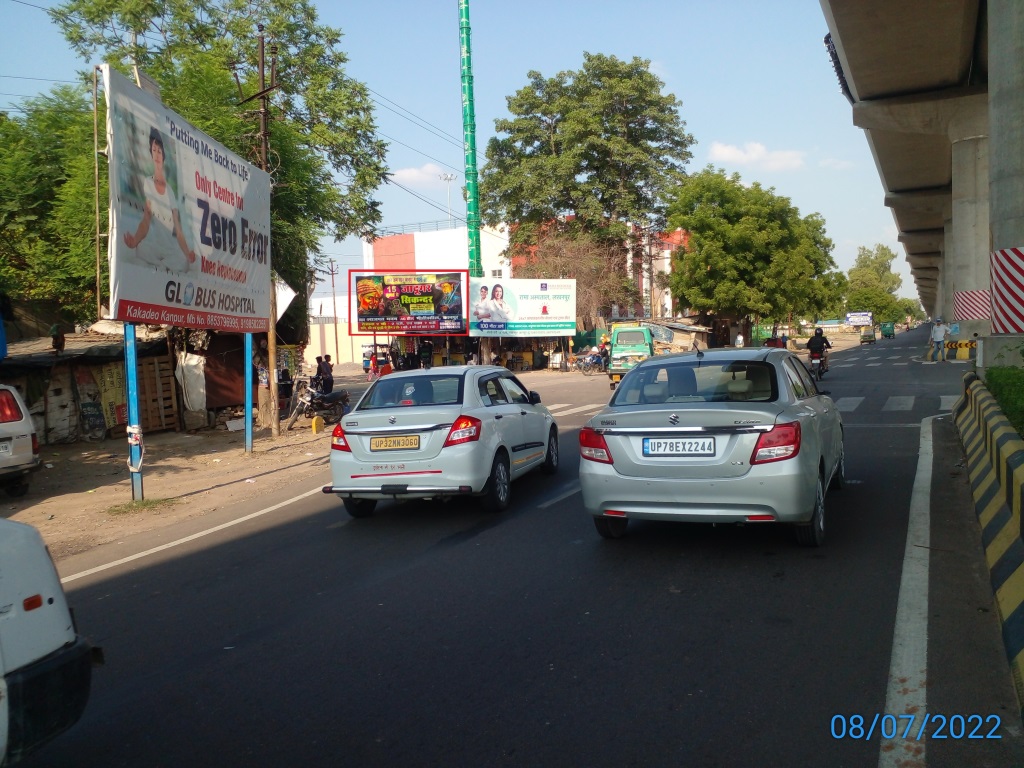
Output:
x=521 y=308
x=409 y=303
x=189 y=240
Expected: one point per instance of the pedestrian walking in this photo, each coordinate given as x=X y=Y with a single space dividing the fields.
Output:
x=939 y=333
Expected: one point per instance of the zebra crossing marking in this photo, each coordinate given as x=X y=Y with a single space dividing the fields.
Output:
x=846 y=404
x=946 y=402
x=899 y=403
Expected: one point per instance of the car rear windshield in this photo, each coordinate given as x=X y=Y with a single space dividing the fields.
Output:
x=631 y=337
x=403 y=391
x=695 y=381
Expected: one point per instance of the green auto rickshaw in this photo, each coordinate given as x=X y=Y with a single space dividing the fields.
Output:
x=888 y=330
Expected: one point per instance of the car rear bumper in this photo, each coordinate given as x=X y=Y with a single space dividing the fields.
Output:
x=785 y=493
x=47 y=697
x=19 y=470
x=457 y=471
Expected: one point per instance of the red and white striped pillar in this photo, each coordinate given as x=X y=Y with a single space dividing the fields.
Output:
x=1006 y=269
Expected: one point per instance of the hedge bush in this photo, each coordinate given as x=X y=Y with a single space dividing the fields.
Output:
x=1007 y=386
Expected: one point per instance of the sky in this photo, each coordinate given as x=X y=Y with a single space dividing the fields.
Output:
x=758 y=94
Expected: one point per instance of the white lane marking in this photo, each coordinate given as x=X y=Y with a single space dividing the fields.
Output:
x=946 y=402
x=874 y=357
x=558 y=405
x=899 y=403
x=592 y=408
x=846 y=404
x=873 y=365
x=901 y=363
x=906 y=693
x=193 y=537
x=894 y=357
x=573 y=490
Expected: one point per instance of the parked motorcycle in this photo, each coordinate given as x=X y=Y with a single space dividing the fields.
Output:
x=819 y=367
x=330 y=406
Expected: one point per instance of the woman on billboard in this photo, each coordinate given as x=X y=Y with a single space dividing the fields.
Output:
x=160 y=227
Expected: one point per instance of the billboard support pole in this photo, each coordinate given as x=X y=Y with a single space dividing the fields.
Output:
x=134 y=427
x=247 y=364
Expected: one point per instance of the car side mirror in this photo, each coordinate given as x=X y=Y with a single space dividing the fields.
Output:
x=534 y=398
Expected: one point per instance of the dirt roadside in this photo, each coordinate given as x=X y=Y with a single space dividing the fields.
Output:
x=74 y=498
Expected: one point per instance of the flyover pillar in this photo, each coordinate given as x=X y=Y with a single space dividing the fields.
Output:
x=1006 y=118
x=966 y=270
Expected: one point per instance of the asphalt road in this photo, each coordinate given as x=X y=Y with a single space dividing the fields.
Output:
x=433 y=635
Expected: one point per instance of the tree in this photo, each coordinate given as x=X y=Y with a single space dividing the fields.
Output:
x=583 y=259
x=326 y=160
x=873 y=284
x=750 y=252
x=585 y=152
x=47 y=213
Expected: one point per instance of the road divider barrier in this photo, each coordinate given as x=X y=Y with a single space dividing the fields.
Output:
x=995 y=462
x=955 y=350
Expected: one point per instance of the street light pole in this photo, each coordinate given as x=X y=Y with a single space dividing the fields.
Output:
x=449 y=177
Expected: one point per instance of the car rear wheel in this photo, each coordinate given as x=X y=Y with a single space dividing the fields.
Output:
x=550 y=465
x=360 y=507
x=499 y=485
x=16 y=489
x=812 y=534
x=611 y=527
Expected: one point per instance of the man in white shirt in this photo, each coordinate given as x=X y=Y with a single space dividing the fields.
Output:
x=939 y=332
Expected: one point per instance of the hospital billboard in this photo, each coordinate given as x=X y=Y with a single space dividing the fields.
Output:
x=189 y=241
x=522 y=308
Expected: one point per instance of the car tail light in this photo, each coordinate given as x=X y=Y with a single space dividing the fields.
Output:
x=593 y=447
x=35 y=443
x=338 y=440
x=9 y=408
x=31 y=603
x=780 y=443
x=466 y=429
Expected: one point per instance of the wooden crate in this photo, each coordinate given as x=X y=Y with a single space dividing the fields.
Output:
x=158 y=395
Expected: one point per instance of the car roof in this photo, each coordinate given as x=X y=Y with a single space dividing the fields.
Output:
x=450 y=370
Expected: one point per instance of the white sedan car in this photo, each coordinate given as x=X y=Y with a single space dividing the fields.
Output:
x=723 y=436
x=441 y=432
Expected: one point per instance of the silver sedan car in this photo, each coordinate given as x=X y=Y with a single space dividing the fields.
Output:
x=441 y=432
x=717 y=436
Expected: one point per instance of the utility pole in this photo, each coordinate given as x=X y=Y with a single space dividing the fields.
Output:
x=449 y=177
x=275 y=424
x=469 y=140
x=334 y=313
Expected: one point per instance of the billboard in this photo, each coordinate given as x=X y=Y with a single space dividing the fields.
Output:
x=409 y=303
x=519 y=308
x=189 y=240
x=860 y=318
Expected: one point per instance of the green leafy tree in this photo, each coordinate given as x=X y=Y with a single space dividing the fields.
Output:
x=750 y=252
x=873 y=284
x=325 y=160
x=585 y=151
x=47 y=209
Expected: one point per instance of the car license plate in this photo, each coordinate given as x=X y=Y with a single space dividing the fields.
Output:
x=682 y=446
x=395 y=443
x=5 y=447
x=616 y=377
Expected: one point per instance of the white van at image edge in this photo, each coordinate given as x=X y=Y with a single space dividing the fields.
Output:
x=45 y=666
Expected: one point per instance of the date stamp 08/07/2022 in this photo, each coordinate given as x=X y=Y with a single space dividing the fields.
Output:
x=916 y=727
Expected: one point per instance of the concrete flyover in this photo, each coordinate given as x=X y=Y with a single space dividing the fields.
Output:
x=995 y=461
x=938 y=87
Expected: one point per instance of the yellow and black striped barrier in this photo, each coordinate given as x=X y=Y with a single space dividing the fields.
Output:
x=955 y=350
x=995 y=462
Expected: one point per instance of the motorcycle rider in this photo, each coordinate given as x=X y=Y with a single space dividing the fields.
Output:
x=818 y=344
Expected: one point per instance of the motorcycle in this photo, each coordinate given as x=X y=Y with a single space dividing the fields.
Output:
x=330 y=406
x=818 y=365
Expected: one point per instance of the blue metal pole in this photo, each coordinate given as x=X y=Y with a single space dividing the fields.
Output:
x=247 y=364
x=131 y=367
